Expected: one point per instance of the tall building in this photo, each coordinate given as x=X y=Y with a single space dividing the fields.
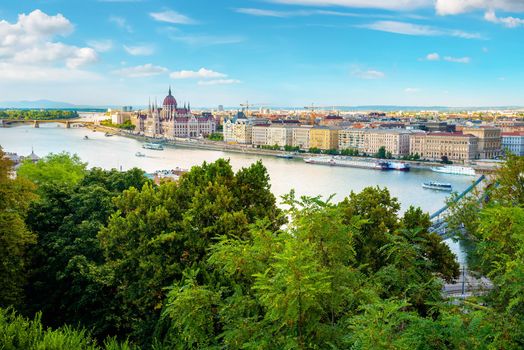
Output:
x=352 y=139
x=455 y=146
x=172 y=121
x=323 y=137
x=300 y=136
x=395 y=141
x=238 y=130
x=490 y=141
x=513 y=142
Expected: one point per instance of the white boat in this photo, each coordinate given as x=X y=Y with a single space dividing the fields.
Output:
x=454 y=169
x=439 y=186
x=285 y=156
x=153 y=146
x=139 y=154
x=345 y=162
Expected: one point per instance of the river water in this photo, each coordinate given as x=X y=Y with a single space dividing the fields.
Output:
x=312 y=180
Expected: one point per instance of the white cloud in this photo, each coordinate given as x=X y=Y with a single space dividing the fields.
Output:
x=43 y=74
x=433 y=57
x=140 y=50
x=28 y=43
x=368 y=74
x=406 y=28
x=399 y=5
x=454 y=7
x=121 y=22
x=509 y=22
x=171 y=16
x=219 y=82
x=202 y=73
x=146 y=70
x=299 y=13
x=464 y=60
x=411 y=90
x=101 y=45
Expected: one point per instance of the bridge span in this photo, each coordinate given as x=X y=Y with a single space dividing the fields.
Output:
x=36 y=123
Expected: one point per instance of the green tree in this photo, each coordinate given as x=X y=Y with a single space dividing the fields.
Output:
x=61 y=168
x=381 y=153
x=15 y=238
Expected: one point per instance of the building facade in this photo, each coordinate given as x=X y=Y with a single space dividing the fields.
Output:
x=238 y=130
x=454 y=146
x=170 y=121
x=352 y=139
x=300 y=136
x=490 y=141
x=513 y=142
x=394 y=141
x=324 y=138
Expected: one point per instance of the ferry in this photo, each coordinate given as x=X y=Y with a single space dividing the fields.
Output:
x=285 y=156
x=153 y=146
x=455 y=170
x=107 y=134
x=345 y=162
x=139 y=154
x=439 y=186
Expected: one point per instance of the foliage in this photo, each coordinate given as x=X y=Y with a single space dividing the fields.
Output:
x=381 y=153
x=61 y=169
x=18 y=333
x=315 y=150
x=15 y=238
x=349 y=152
x=216 y=136
x=127 y=125
x=42 y=114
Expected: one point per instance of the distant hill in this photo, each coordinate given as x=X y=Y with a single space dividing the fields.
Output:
x=47 y=104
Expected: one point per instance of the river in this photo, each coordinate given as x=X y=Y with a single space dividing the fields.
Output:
x=312 y=180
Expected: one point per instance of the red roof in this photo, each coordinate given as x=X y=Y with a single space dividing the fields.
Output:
x=513 y=133
x=459 y=134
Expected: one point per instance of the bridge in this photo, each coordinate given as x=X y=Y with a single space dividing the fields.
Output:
x=36 y=123
x=468 y=283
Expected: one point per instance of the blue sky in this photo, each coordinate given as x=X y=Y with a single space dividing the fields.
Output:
x=274 y=52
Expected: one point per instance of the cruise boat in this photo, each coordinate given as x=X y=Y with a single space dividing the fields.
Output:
x=439 y=186
x=346 y=162
x=153 y=146
x=86 y=137
x=454 y=169
x=139 y=154
x=107 y=134
x=400 y=166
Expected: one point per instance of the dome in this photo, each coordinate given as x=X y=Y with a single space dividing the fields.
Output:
x=169 y=100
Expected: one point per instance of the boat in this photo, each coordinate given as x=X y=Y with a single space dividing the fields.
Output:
x=454 y=169
x=347 y=162
x=285 y=156
x=139 y=154
x=153 y=146
x=86 y=137
x=107 y=134
x=439 y=186
x=400 y=166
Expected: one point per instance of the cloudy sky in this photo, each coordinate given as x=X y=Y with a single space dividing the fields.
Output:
x=271 y=52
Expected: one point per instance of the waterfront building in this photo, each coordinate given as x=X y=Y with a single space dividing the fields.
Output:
x=323 y=137
x=170 y=121
x=513 y=142
x=490 y=141
x=300 y=136
x=238 y=129
x=351 y=139
x=260 y=135
x=280 y=135
x=455 y=146
x=395 y=141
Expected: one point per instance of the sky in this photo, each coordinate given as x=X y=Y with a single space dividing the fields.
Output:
x=267 y=52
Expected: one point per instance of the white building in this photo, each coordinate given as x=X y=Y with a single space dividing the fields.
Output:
x=238 y=130
x=513 y=142
x=300 y=136
x=280 y=135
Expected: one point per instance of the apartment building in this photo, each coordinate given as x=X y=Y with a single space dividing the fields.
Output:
x=490 y=141
x=323 y=137
x=260 y=135
x=395 y=141
x=434 y=146
x=238 y=130
x=280 y=135
x=300 y=136
x=352 y=139
x=513 y=142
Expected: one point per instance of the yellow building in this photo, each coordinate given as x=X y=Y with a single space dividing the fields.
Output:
x=324 y=138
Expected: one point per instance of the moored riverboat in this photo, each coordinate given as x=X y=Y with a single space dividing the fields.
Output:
x=455 y=170
x=153 y=146
x=437 y=186
x=347 y=162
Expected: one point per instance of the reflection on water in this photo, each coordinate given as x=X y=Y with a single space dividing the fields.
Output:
x=119 y=152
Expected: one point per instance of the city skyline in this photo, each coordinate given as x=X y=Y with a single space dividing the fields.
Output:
x=281 y=52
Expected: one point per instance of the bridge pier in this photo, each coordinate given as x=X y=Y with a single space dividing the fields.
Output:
x=68 y=125
x=1 y=123
x=36 y=124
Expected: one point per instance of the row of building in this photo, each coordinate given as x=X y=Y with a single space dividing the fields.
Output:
x=461 y=145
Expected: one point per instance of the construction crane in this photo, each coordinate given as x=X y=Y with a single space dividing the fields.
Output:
x=313 y=108
x=247 y=105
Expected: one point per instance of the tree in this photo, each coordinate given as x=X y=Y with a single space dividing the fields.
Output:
x=15 y=238
x=381 y=153
x=61 y=168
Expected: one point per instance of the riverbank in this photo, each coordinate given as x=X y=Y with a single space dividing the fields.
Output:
x=221 y=146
